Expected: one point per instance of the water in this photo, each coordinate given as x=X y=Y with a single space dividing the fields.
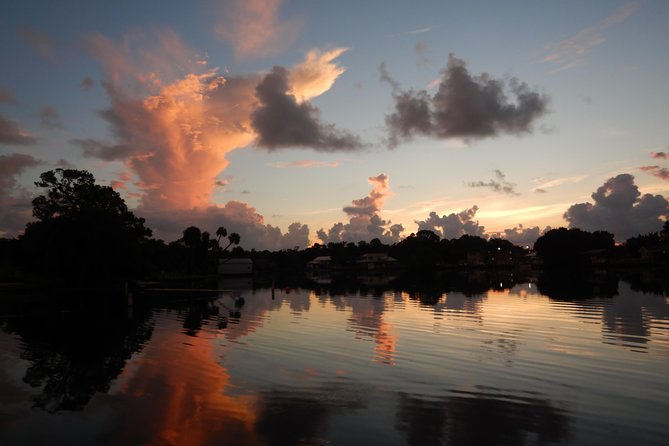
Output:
x=503 y=366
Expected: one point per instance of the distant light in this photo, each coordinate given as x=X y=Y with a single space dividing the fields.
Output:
x=500 y=285
x=499 y=249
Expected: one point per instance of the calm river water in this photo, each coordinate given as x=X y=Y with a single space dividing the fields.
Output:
x=506 y=366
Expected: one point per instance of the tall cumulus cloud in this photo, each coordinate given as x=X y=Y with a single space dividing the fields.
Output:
x=174 y=120
x=620 y=209
x=464 y=106
x=365 y=223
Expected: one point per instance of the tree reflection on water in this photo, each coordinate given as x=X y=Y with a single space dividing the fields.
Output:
x=488 y=417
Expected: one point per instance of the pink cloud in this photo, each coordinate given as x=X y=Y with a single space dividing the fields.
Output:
x=365 y=222
x=659 y=155
x=657 y=171
x=305 y=164
x=573 y=51
x=174 y=120
x=254 y=29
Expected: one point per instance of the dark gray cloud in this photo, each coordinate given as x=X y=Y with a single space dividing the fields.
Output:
x=100 y=149
x=500 y=184
x=465 y=106
x=50 y=118
x=87 y=83
x=453 y=225
x=620 y=209
x=6 y=97
x=11 y=133
x=657 y=171
x=15 y=205
x=365 y=223
x=281 y=121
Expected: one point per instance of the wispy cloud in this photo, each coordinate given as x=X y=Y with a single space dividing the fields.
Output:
x=423 y=30
x=11 y=133
x=304 y=164
x=657 y=171
x=555 y=182
x=254 y=29
x=6 y=97
x=500 y=184
x=41 y=42
x=87 y=83
x=659 y=155
x=50 y=118
x=574 y=50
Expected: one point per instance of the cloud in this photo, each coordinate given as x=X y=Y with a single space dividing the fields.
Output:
x=50 y=118
x=500 y=185
x=573 y=51
x=423 y=30
x=304 y=164
x=659 y=155
x=281 y=121
x=15 y=205
x=254 y=29
x=555 y=182
x=464 y=106
x=522 y=236
x=421 y=52
x=540 y=190
x=11 y=133
x=657 y=171
x=235 y=216
x=44 y=44
x=453 y=225
x=6 y=97
x=365 y=222
x=620 y=209
x=87 y=83
x=174 y=120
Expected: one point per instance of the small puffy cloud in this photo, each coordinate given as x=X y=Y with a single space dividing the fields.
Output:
x=573 y=51
x=365 y=223
x=15 y=205
x=659 y=155
x=453 y=225
x=464 y=106
x=254 y=28
x=657 y=171
x=11 y=133
x=50 y=118
x=87 y=83
x=6 y=97
x=500 y=184
x=280 y=121
x=620 y=209
x=304 y=164
x=421 y=51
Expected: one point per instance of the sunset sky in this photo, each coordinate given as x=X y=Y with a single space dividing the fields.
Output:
x=294 y=122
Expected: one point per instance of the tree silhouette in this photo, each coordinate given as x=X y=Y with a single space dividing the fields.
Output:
x=84 y=231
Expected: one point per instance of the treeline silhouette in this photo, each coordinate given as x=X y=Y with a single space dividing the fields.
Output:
x=84 y=235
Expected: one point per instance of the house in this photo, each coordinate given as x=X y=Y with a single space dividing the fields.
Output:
x=235 y=267
x=320 y=266
x=377 y=262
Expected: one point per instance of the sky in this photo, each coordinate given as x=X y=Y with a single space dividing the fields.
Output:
x=301 y=122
